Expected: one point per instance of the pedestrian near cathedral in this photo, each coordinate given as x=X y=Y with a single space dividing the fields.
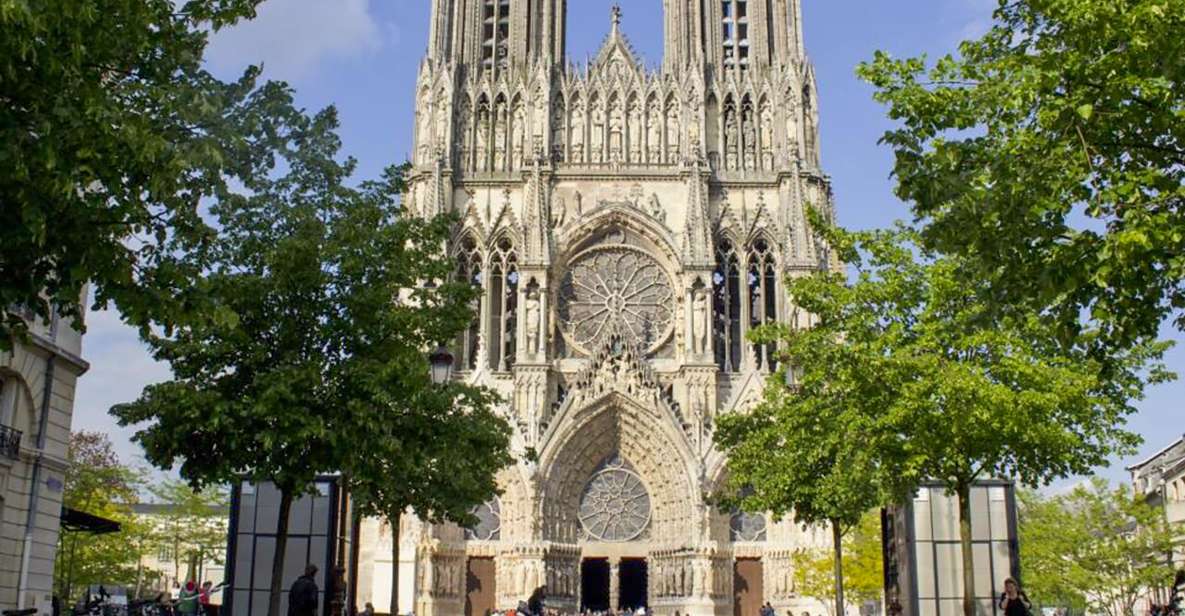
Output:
x=187 y=599
x=1014 y=602
x=302 y=597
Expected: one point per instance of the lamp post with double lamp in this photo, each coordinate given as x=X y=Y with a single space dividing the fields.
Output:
x=441 y=362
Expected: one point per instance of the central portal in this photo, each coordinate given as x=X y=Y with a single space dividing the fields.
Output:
x=594 y=585
x=632 y=576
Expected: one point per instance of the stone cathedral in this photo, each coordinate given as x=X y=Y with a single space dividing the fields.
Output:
x=627 y=227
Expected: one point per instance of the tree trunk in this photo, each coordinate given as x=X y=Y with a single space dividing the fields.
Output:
x=273 y=604
x=964 y=492
x=394 y=521
x=837 y=539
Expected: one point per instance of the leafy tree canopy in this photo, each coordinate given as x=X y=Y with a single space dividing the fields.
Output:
x=1051 y=152
x=1097 y=547
x=97 y=483
x=906 y=373
x=111 y=135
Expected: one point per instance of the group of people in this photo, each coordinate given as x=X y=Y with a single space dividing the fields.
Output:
x=195 y=601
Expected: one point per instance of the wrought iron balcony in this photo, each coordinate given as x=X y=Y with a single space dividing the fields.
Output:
x=10 y=443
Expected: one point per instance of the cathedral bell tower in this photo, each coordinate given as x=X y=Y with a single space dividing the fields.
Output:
x=493 y=35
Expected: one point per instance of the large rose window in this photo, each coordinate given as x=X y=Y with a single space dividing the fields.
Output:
x=615 y=506
x=616 y=289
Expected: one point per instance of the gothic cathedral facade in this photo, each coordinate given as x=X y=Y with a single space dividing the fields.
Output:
x=627 y=227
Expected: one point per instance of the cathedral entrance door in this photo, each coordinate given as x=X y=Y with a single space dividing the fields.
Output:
x=594 y=585
x=632 y=576
x=480 y=578
x=747 y=588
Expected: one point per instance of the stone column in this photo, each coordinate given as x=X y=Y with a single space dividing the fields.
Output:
x=614 y=583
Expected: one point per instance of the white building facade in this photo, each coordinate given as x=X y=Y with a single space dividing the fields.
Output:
x=1160 y=479
x=627 y=228
x=37 y=383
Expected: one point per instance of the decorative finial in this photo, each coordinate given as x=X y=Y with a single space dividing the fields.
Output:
x=615 y=16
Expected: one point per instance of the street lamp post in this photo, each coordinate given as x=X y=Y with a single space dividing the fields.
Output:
x=441 y=362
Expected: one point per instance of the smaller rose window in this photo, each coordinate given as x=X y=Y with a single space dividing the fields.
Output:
x=615 y=506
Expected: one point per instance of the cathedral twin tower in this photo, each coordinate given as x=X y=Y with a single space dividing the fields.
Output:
x=627 y=227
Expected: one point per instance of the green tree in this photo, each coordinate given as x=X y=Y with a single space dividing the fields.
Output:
x=97 y=483
x=864 y=581
x=1051 y=152
x=933 y=383
x=111 y=135
x=1097 y=548
x=193 y=524
x=266 y=384
x=436 y=454
x=806 y=450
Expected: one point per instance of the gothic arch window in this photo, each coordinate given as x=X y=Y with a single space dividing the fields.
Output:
x=503 y=302
x=735 y=29
x=763 y=299
x=495 y=32
x=726 y=296
x=469 y=268
x=744 y=297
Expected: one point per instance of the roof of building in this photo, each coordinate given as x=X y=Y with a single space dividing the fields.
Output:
x=1154 y=457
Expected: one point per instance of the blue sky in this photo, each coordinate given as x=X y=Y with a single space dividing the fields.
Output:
x=363 y=57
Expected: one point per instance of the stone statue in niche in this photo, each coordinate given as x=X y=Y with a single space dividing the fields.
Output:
x=750 y=139
x=672 y=135
x=616 y=133
x=483 y=136
x=598 y=134
x=558 y=131
x=699 y=321
x=520 y=132
x=500 y=139
x=767 y=138
x=654 y=119
x=635 y=132
x=534 y=320
x=655 y=209
x=559 y=213
x=577 y=140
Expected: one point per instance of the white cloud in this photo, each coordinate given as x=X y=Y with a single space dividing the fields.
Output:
x=292 y=38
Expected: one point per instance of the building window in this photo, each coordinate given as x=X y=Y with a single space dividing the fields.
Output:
x=744 y=297
x=469 y=268
x=735 y=29
x=495 y=32
x=763 y=299
x=727 y=307
x=503 y=299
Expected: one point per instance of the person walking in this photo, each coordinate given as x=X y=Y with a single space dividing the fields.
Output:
x=302 y=597
x=1014 y=602
x=204 y=599
x=187 y=599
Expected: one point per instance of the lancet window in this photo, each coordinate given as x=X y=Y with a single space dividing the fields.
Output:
x=469 y=269
x=495 y=32
x=736 y=32
x=763 y=298
x=503 y=302
x=726 y=295
x=744 y=297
